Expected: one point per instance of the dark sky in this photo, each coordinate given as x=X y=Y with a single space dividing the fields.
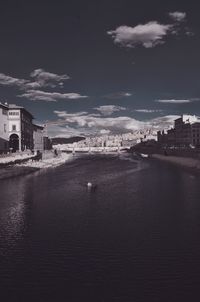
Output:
x=146 y=73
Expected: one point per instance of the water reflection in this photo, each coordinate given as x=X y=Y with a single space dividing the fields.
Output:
x=13 y=216
x=137 y=235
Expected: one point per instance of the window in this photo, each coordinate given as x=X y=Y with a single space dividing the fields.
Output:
x=14 y=113
x=13 y=127
x=4 y=112
x=4 y=127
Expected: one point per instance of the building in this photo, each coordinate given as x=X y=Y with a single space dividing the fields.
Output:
x=186 y=132
x=4 y=145
x=17 y=131
x=38 y=138
x=20 y=128
x=195 y=127
x=47 y=143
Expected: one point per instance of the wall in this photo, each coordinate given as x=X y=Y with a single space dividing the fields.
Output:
x=38 y=140
x=3 y=130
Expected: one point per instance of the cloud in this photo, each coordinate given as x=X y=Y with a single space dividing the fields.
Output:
x=147 y=110
x=109 y=109
x=44 y=78
x=163 y=122
x=6 y=80
x=177 y=16
x=173 y=101
x=84 y=119
x=39 y=95
x=55 y=130
x=41 y=79
x=90 y=124
x=70 y=126
x=148 y=35
x=118 y=95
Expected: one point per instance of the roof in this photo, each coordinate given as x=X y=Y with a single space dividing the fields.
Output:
x=4 y=106
x=14 y=107
x=38 y=127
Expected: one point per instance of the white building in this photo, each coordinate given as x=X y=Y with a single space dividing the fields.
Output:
x=20 y=128
x=4 y=137
x=17 y=131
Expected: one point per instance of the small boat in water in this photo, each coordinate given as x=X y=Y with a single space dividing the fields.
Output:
x=91 y=186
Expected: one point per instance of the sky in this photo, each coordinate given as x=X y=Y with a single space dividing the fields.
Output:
x=101 y=67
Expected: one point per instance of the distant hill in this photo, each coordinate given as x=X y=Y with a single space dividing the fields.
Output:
x=64 y=140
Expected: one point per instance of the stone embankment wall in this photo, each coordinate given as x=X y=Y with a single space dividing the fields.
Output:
x=186 y=162
x=14 y=171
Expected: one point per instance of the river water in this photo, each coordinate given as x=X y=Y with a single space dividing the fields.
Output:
x=135 y=238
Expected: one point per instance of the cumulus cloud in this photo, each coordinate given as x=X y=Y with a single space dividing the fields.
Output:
x=177 y=16
x=109 y=109
x=39 y=95
x=173 y=101
x=41 y=78
x=90 y=124
x=83 y=119
x=6 y=80
x=55 y=130
x=150 y=34
x=44 y=78
x=32 y=90
x=147 y=35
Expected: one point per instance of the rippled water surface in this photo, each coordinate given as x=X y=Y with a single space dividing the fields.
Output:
x=136 y=238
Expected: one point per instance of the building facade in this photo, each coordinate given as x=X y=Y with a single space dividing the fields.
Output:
x=17 y=131
x=38 y=138
x=20 y=128
x=4 y=144
x=186 y=132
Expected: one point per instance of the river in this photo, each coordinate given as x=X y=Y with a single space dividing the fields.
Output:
x=135 y=238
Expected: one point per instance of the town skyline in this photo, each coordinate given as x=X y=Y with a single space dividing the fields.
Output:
x=101 y=67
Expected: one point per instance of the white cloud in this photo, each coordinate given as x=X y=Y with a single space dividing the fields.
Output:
x=39 y=95
x=118 y=95
x=147 y=35
x=90 y=124
x=41 y=79
x=177 y=16
x=163 y=122
x=173 y=101
x=109 y=109
x=147 y=110
x=44 y=78
x=55 y=130
x=6 y=80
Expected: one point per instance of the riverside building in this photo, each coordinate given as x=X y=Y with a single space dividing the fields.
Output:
x=17 y=131
x=186 y=132
x=3 y=128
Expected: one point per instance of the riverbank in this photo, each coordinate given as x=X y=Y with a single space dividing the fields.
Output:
x=15 y=158
x=15 y=171
x=30 y=166
x=48 y=162
x=185 y=162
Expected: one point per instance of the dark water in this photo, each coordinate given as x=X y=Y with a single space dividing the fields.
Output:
x=136 y=238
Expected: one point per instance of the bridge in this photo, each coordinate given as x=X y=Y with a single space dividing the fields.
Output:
x=74 y=149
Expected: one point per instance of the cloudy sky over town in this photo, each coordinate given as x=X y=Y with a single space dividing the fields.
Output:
x=97 y=67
